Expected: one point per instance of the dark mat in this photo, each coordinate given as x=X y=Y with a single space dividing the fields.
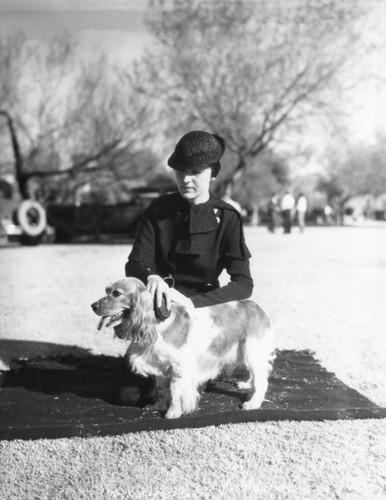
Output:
x=68 y=396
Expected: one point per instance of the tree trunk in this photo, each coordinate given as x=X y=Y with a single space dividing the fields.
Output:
x=226 y=185
x=21 y=178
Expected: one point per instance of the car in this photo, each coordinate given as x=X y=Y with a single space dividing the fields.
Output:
x=25 y=222
x=96 y=221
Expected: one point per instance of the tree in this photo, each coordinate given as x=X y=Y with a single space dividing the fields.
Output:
x=271 y=175
x=249 y=71
x=64 y=118
x=361 y=170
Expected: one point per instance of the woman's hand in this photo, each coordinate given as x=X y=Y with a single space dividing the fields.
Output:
x=180 y=298
x=158 y=289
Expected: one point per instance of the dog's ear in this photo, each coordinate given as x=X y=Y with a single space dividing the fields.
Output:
x=138 y=323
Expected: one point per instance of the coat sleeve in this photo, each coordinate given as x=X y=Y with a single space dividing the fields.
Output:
x=235 y=259
x=140 y=263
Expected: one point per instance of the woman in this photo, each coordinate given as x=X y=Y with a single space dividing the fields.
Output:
x=188 y=238
x=301 y=210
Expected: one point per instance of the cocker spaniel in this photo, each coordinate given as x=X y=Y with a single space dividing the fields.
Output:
x=190 y=347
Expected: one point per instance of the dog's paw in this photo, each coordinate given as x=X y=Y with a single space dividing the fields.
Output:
x=244 y=385
x=252 y=404
x=173 y=413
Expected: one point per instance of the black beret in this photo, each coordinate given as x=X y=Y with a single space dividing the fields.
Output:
x=197 y=150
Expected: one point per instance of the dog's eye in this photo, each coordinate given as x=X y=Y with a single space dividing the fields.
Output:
x=115 y=293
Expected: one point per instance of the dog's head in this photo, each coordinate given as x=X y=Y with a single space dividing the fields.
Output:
x=128 y=308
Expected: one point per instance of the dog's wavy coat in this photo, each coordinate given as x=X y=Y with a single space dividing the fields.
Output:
x=192 y=346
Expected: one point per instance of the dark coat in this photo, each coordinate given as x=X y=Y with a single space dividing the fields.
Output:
x=187 y=243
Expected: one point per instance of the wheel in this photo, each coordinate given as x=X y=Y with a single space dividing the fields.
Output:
x=32 y=219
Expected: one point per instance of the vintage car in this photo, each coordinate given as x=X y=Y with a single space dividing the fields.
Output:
x=96 y=221
x=30 y=223
x=22 y=221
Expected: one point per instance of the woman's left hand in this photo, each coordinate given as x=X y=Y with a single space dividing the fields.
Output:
x=158 y=289
x=180 y=298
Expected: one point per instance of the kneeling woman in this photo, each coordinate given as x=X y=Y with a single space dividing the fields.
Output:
x=186 y=240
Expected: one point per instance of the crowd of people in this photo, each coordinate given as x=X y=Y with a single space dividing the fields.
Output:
x=285 y=210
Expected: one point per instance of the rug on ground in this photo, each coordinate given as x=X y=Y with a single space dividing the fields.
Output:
x=69 y=396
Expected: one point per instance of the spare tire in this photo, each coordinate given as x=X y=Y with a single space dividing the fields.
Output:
x=32 y=218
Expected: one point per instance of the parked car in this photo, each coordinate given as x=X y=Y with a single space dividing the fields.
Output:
x=95 y=220
x=23 y=221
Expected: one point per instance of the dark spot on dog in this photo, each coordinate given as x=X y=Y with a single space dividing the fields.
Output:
x=233 y=322
x=177 y=333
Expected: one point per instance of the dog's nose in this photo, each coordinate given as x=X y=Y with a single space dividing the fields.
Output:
x=94 y=306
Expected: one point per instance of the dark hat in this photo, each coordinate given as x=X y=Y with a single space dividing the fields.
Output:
x=199 y=150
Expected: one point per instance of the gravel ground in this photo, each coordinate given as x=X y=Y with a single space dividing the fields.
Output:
x=326 y=291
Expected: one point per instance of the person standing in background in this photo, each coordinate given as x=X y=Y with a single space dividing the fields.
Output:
x=301 y=210
x=287 y=209
x=273 y=212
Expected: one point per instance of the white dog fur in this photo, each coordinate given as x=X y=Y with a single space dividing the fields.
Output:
x=192 y=346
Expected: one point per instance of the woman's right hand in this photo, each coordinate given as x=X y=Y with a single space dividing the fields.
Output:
x=158 y=289
x=179 y=298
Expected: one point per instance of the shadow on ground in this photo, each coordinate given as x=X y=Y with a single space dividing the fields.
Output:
x=13 y=351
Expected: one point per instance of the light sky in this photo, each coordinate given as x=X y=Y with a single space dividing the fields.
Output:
x=60 y=5
x=115 y=27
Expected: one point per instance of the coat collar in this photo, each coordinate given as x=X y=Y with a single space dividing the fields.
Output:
x=202 y=218
x=192 y=223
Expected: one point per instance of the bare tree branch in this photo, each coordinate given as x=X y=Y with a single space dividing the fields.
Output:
x=248 y=70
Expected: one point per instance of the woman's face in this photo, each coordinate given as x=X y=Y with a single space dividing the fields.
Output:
x=193 y=184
